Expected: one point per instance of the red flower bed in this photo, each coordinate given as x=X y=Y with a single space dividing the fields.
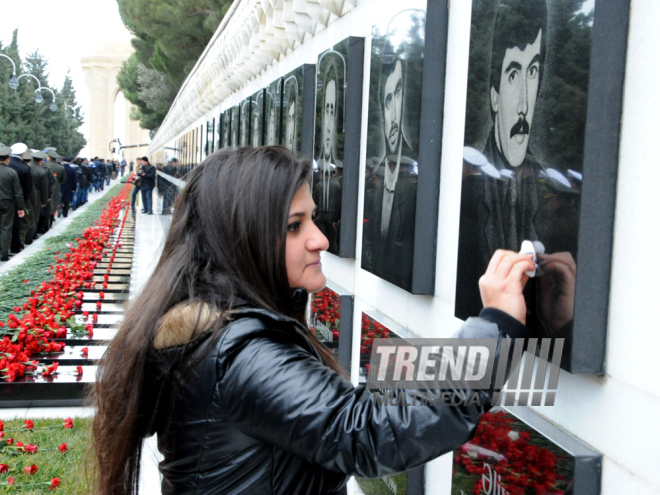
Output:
x=371 y=330
x=521 y=466
x=27 y=331
x=326 y=309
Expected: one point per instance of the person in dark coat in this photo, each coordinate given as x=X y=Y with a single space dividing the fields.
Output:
x=69 y=186
x=11 y=200
x=215 y=356
x=25 y=179
x=42 y=192
x=147 y=184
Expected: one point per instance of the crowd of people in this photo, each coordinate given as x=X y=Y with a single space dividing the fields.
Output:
x=38 y=186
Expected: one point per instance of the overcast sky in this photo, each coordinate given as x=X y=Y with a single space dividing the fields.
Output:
x=63 y=31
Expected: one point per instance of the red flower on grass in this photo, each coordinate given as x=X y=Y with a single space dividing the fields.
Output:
x=63 y=448
x=10 y=481
x=54 y=483
x=31 y=469
x=68 y=423
x=29 y=424
x=30 y=449
x=4 y=468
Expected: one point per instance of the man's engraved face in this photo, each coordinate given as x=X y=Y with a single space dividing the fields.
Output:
x=392 y=108
x=514 y=104
x=329 y=118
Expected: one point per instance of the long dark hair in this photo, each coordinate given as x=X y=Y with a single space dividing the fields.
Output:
x=225 y=247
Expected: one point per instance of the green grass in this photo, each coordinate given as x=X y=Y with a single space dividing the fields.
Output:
x=377 y=486
x=13 y=292
x=68 y=466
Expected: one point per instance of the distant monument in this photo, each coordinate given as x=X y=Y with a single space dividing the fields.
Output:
x=101 y=67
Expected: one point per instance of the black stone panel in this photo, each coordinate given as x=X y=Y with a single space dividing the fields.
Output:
x=63 y=389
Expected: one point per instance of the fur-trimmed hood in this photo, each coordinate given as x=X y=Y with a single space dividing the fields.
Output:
x=184 y=323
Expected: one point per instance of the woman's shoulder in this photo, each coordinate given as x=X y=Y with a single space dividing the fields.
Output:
x=187 y=322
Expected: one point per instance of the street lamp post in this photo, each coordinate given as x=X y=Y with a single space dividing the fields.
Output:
x=66 y=113
x=53 y=106
x=13 y=81
x=38 y=97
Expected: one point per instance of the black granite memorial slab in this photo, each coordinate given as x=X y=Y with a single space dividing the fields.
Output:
x=116 y=264
x=73 y=355
x=376 y=325
x=105 y=308
x=64 y=389
x=112 y=287
x=113 y=271
x=101 y=336
x=103 y=320
x=112 y=279
x=546 y=173
x=111 y=296
x=517 y=451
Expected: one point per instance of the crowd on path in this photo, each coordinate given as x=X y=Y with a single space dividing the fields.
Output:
x=39 y=186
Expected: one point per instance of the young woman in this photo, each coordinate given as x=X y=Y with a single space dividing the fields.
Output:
x=215 y=356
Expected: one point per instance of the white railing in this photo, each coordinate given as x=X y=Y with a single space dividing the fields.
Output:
x=252 y=35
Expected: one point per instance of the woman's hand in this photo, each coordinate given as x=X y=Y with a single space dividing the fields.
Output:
x=502 y=285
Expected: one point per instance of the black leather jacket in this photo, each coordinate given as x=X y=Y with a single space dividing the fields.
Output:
x=259 y=413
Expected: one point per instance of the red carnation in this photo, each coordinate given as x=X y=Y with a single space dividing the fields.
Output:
x=31 y=469
x=68 y=423
x=54 y=483
x=79 y=370
x=84 y=351
x=4 y=468
x=29 y=424
x=31 y=449
x=63 y=448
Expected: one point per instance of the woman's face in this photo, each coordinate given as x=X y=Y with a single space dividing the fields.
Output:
x=304 y=243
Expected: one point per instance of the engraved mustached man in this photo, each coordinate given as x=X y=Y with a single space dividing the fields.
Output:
x=389 y=230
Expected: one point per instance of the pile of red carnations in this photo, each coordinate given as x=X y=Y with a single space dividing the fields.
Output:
x=524 y=467
x=371 y=330
x=326 y=309
x=18 y=448
x=28 y=329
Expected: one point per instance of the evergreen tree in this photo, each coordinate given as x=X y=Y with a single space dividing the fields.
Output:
x=170 y=37
x=23 y=119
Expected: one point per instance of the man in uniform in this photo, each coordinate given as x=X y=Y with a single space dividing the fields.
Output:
x=60 y=177
x=29 y=223
x=25 y=179
x=11 y=198
x=42 y=191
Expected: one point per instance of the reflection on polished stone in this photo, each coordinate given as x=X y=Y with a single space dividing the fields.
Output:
x=73 y=355
x=112 y=296
x=66 y=388
x=111 y=279
x=102 y=335
x=105 y=308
